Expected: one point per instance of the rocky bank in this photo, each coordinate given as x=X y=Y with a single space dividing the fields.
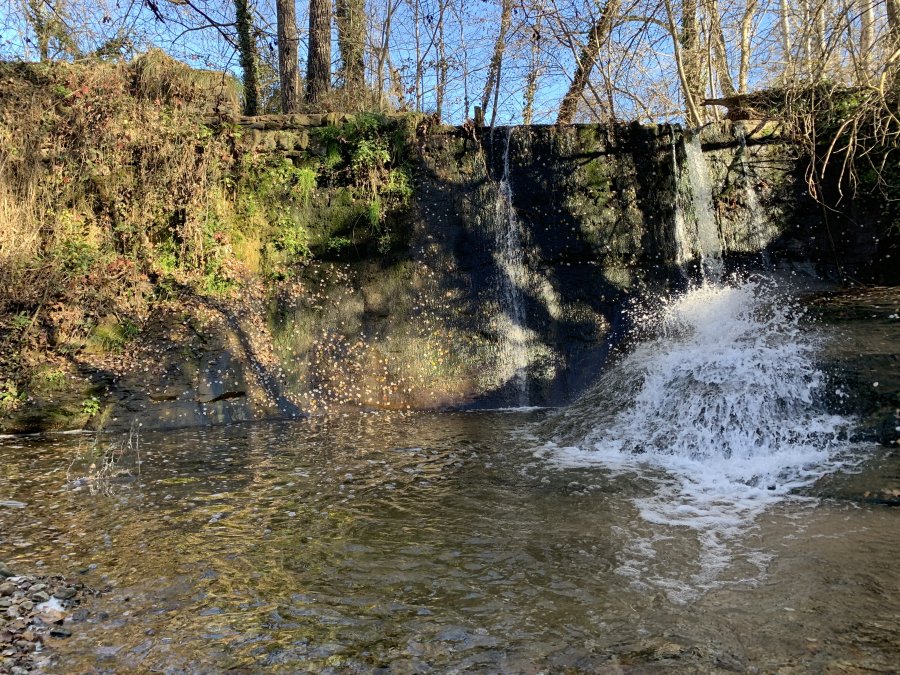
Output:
x=35 y=611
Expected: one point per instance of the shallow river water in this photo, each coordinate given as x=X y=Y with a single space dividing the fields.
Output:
x=450 y=542
x=435 y=541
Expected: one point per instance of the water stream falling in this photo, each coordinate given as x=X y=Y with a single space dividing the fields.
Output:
x=758 y=229
x=720 y=406
x=721 y=411
x=509 y=256
x=698 y=215
x=684 y=252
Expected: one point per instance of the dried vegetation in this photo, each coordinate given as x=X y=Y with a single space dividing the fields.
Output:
x=124 y=187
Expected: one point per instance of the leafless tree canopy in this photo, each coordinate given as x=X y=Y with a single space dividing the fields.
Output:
x=531 y=60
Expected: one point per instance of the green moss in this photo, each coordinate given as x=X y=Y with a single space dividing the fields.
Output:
x=596 y=178
x=364 y=167
x=111 y=335
x=587 y=135
x=11 y=396
x=305 y=184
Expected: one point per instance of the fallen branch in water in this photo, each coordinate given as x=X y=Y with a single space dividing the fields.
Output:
x=103 y=462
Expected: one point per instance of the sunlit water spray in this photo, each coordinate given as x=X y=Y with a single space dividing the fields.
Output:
x=717 y=415
x=509 y=256
x=721 y=410
x=696 y=230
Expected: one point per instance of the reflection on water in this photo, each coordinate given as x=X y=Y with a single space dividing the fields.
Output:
x=432 y=541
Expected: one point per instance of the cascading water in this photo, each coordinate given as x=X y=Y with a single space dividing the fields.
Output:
x=694 y=208
x=727 y=390
x=721 y=412
x=684 y=252
x=758 y=234
x=720 y=407
x=509 y=257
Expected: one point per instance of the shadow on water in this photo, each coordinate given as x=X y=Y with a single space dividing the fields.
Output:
x=427 y=541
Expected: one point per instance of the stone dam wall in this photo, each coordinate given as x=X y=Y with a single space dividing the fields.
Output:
x=603 y=217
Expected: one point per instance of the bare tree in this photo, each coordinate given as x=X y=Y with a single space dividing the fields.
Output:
x=691 y=56
x=866 y=37
x=318 y=65
x=420 y=57
x=46 y=18
x=596 y=38
x=893 y=17
x=785 y=22
x=288 y=67
x=248 y=56
x=718 y=47
x=441 y=66
x=383 y=57
x=492 y=83
x=534 y=68
x=746 y=38
x=653 y=59
x=686 y=66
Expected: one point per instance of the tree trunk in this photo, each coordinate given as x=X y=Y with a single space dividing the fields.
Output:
x=463 y=56
x=441 y=65
x=893 y=15
x=493 y=77
x=318 y=64
x=786 y=36
x=586 y=60
x=248 y=57
x=288 y=40
x=691 y=103
x=820 y=51
x=691 y=57
x=533 y=71
x=808 y=30
x=746 y=45
x=41 y=26
x=866 y=38
x=350 y=16
x=418 y=72
x=717 y=43
x=384 y=47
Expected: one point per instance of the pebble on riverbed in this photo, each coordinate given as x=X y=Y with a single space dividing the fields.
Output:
x=33 y=608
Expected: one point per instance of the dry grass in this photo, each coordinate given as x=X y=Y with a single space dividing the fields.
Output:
x=107 y=145
x=159 y=78
x=103 y=168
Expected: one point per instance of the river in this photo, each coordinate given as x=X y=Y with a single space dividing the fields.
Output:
x=460 y=541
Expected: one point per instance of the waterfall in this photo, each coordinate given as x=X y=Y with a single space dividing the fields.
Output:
x=758 y=235
x=695 y=219
x=513 y=277
x=721 y=414
x=724 y=380
x=720 y=408
x=684 y=252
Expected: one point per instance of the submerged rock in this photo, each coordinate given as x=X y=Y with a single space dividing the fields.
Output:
x=30 y=616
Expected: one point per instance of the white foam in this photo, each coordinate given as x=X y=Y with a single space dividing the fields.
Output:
x=52 y=605
x=721 y=411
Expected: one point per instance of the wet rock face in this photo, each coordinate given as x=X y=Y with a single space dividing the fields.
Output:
x=433 y=324
x=34 y=611
x=194 y=392
x=864 y=325
x=450 y=317
x=211 y=366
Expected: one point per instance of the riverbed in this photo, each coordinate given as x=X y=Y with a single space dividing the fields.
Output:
x=451 y=541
